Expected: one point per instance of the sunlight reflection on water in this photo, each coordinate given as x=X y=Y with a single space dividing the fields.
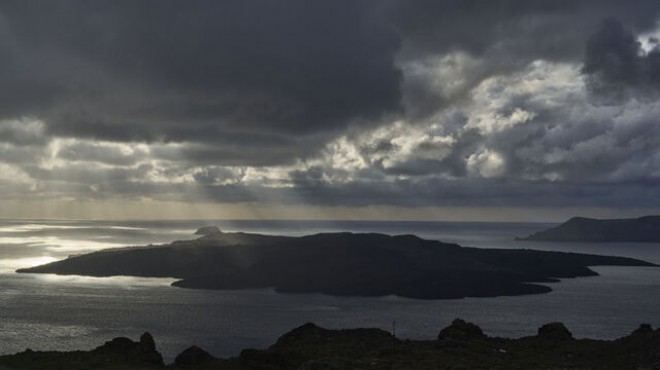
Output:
x=58 y=244
x=44 y=308
x=120 y=281
x=9 y=265
x=44 y=311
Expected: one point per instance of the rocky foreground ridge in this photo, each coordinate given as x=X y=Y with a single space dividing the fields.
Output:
x=461 y=345
x=341 y=264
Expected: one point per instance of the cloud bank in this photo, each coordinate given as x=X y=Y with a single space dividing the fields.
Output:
x=362 y=103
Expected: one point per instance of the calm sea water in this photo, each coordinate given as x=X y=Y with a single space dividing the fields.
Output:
x=47 y=312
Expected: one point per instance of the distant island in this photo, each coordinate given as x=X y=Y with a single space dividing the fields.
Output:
x=462 y=345
x=341 y=264
x=579 y=229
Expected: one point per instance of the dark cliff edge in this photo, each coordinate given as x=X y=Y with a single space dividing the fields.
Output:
x=462 y=345
x=579 y=229
x=118 y=353
x=342 y=264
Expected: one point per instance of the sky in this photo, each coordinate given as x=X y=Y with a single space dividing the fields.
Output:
x=525 y=110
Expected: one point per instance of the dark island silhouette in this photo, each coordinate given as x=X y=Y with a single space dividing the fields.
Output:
x=342 y=264
x=580 y=229
x=462 y=345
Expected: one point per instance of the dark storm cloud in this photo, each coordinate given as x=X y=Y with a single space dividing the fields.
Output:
x=137 y=70
x=505 y=35
x=614 y=54
x=548 y=29
x=615 y=62
x=338 y=102
x=161 y=71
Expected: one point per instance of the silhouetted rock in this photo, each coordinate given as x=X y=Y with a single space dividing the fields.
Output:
x=147 y=341
x=554 y=331
x=580 y=229
x=117 y=344
x=118 y=353
x=461 y=330
x=311 y=334
x=192 y=357
x=340 y=264
x=125 y=350
x=208 y=230
x=312 y=347
x=306 y=332
x=643 y=329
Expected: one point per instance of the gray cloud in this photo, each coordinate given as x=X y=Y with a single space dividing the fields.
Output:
x=242 y=150
x=20 y=155
x=140 y=71
x=22 y=132
x=111 y=155
x=408 y=103
x=537 y=124
x=521 y=29
x=134 y=71
x=616 y=66
x=502 y=36
x=86 y=174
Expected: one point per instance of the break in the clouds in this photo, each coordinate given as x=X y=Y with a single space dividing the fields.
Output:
x=445 y=103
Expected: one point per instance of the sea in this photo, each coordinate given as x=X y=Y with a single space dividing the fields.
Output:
x=49 y=312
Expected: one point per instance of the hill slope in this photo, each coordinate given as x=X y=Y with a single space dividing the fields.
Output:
x=580 y=229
